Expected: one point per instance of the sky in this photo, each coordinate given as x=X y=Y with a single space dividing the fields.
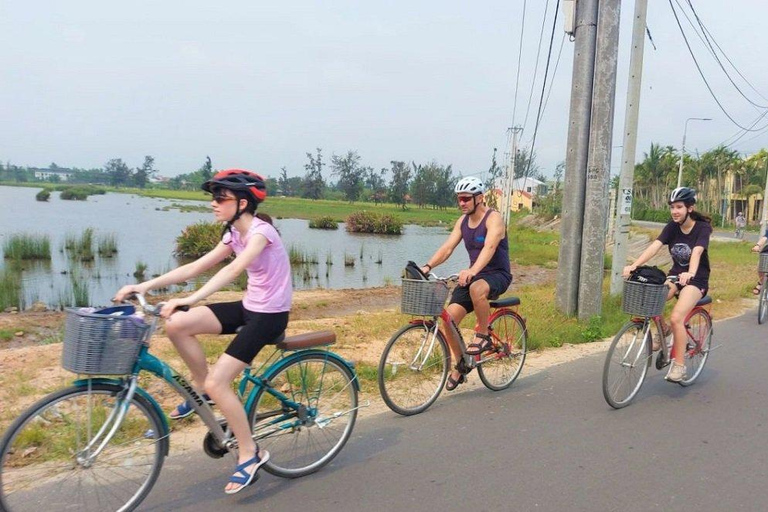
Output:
x=258 y=84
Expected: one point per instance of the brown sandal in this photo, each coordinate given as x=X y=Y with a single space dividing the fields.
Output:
x=454 y=383
x=475 y=349
x=758 y=287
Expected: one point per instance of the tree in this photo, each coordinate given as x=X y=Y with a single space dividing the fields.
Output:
x=375 y=182
x=494 y=173
x=119 y=173
x=283 y=183
x=145 y=172
x=206 y=171
x=525 y=164
x=401 y=179
x=314 y=185
x=350 y=173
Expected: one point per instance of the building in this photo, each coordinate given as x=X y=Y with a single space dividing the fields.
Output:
x=60 y=174
x=531 y=186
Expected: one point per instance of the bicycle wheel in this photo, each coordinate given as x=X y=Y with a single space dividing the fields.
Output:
x=500 y=367
x=626 y=364
x=302 y=441
x=47 y=461
x=413 y=369
x=699 y=328
x=762 y=305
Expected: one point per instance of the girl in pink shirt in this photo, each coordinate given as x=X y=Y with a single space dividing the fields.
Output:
x=261 y=316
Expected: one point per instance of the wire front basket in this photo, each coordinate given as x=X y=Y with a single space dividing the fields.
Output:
x=642 y=299
x=105 y=342
x=762 y=266
x=423 y=298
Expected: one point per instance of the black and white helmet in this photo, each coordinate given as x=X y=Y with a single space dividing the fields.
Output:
x=469 y=185
x=684 y=194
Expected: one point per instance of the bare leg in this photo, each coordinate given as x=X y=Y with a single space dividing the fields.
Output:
x=218 y=385
x=458 y=313
x=182 y=329
x=686 y=301
x=479 y=291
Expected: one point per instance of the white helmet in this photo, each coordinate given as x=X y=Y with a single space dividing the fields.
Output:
x=470 y=185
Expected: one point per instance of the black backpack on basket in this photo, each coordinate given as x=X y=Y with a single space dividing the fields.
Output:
x=412 y=271
x=647 y=274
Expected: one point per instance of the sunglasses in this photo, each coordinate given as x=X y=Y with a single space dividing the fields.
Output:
x=464 y=199
x=223 y=199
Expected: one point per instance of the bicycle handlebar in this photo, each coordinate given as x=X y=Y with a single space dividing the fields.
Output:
x=151 y=309
x=452 y=277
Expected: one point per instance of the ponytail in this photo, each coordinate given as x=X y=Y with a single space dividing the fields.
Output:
x=700 y=216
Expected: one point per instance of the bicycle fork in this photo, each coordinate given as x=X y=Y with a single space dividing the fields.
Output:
x=422 y=356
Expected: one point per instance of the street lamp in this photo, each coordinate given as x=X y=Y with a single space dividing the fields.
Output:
x=682 y=151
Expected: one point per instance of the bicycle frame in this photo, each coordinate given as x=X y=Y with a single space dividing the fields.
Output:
x=449 y=327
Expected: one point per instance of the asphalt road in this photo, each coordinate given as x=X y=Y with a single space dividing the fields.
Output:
x=548 y=443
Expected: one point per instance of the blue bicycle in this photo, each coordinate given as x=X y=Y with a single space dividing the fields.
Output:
x=100 y=444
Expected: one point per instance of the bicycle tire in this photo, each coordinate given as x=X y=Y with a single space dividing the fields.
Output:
x=762 y=305
x=284 y=433
x=510 y=339
x=636 y=356
x=39 y=466
x=405 y=389
x=699 y=329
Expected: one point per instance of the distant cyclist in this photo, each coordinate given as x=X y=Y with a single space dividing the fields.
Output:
x=687 y=236
x=259 y=319
x=741 y=223
x=488 y=275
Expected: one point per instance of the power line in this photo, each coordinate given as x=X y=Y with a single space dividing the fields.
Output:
x=543 y=88
x=554 y=74
x=696 y=62
x=707 y=32
x=536 y=66
x=519 y=60
x=705 y=38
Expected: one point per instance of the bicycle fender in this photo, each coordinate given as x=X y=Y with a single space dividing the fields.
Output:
x=269 y=374
x=420 y=321
x=144 y=394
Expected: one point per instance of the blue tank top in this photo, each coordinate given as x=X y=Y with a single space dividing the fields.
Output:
x=474 y=240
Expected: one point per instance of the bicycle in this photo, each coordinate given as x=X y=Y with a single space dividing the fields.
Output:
x=631 y=351
x=100 y=444
x=739 y=233
x=762 y=305
x=414 y=365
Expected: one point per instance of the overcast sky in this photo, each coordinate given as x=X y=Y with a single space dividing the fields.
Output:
x=258 y=84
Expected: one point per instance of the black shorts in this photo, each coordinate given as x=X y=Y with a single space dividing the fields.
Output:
x=497 y=282
x=702 y=286
x=256 y=329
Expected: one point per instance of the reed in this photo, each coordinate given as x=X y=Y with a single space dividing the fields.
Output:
x=349 y=260
x=11 y=289
x=80 y=247
x=107 y=245
x=27 y=247
x=140 y=270
x=323 y=223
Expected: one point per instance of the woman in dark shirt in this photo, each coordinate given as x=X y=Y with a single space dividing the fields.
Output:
x=687 y=236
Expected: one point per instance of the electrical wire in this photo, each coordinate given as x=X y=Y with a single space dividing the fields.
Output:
x=519 y=60
x=701 y=73
x=536 y=66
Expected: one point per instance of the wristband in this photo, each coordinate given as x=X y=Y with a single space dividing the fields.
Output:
x=428 y=265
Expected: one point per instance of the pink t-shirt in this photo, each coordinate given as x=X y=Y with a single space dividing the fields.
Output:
x=269 y=274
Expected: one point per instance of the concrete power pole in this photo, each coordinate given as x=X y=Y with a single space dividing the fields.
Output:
x=574 y=183
x=509 y=176
x=624 y=205
x=599 y=162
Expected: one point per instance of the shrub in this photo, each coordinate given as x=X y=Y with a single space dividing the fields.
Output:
x=323 y=223
x=80 y=192
x=43 y=195
x=369 y=222
x=198 y=239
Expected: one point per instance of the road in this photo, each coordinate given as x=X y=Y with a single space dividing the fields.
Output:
x=550 y=443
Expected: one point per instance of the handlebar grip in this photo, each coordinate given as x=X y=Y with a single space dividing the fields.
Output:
x=182 y=308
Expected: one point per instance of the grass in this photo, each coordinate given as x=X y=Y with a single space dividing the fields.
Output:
x=80 y=247
x=324 y=223
x=298 y=256
x=107 y=245
x=298 y=208
x=11 y=290
x=6 y=334
x=27 y=247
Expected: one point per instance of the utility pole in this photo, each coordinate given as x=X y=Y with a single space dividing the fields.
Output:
x=574 y=184
x=599 y=161
x=509 y=176
x=626 y=181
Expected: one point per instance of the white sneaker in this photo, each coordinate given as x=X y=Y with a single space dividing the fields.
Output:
x=676 y=372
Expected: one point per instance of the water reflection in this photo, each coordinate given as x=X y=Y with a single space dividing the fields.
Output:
x=145 y=233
